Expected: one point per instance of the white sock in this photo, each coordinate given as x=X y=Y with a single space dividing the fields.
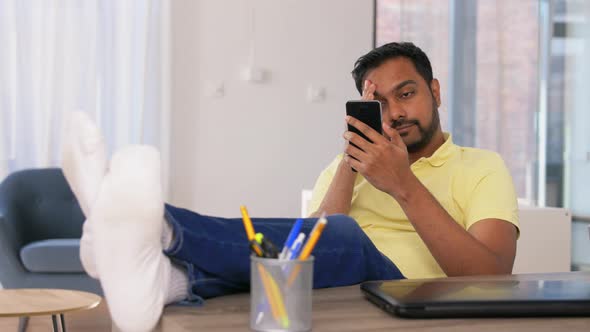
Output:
x=178 y=287
x=84 y=167
x=128 y=215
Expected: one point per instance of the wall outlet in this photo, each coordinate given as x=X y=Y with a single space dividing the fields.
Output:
x=254 y=75
x=214 y=89
x=316 y=94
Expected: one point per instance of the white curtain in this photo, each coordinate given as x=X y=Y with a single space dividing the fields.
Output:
x=104 y=57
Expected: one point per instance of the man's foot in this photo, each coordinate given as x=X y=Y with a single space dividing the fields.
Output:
x=84 y=167
x=128 y=222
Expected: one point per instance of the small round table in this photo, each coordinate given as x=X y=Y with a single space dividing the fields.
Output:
x=35 y=302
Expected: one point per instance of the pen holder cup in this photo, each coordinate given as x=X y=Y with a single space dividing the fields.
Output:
x=280 y=294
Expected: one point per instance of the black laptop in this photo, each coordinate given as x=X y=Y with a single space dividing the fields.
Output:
x=459 y=297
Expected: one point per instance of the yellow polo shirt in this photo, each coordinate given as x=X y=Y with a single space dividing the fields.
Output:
x=471 y=184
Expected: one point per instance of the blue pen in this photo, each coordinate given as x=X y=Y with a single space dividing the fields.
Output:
x=262 y=308
x=291 y=238
x=296 y=246
x=294 y=252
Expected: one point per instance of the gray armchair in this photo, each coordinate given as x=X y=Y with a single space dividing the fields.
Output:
x=40 y=230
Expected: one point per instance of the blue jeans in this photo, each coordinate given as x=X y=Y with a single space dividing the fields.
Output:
x=215 y=252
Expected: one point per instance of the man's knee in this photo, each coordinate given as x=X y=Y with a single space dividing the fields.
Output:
x=345 y=226
x=343 y=220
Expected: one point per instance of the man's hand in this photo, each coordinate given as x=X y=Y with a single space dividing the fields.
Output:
x=384 y=163
x=369 y=89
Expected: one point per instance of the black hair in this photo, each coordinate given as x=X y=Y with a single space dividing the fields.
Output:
x=377 y=56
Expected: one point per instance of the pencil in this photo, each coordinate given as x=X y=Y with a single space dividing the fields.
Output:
x=247 y=223
x=269 y=292
x=279 y=301
x=249 y=229
x=314 y=236
x=316 y=232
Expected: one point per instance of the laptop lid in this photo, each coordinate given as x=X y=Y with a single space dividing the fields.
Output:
x=462 y=297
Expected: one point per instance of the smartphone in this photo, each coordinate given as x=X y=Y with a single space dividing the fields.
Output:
x=367 y=111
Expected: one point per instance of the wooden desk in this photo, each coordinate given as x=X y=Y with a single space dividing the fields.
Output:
x=345 y=309
x=36 y=302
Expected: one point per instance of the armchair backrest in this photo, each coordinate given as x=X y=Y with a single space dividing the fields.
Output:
x=40 y=205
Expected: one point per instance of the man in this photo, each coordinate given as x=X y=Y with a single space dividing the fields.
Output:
x=147 y=254
x=432 y=207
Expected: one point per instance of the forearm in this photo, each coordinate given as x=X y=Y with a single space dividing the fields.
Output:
x=339 y=195
x=456 y=250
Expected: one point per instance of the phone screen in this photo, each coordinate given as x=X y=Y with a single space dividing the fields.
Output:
x=367 y=111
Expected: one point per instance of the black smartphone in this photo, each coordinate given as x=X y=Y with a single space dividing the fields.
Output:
x=367 y=111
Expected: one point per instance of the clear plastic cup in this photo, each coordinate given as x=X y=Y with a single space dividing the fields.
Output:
x=280 y=294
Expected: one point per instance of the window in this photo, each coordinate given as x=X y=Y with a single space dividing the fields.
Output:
x=489 y=78
x=515 y=76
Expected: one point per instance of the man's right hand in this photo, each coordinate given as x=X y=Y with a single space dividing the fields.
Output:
x=339 y=195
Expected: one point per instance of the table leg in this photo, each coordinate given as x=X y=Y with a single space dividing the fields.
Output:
x=63 y=322
x=22 y=323
x=54 y=319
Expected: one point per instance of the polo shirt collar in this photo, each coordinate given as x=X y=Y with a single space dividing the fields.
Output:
x=443 y=153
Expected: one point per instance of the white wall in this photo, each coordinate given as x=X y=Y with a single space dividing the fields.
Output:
x=259 y=144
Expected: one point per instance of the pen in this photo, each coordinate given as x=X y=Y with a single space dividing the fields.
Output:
x=295 y=249
x=262 y=308
x=259 y=316
x=291 y=238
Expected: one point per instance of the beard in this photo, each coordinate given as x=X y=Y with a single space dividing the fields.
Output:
x=426 y=133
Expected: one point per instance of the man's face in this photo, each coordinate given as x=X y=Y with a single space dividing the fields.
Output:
x=409 y=105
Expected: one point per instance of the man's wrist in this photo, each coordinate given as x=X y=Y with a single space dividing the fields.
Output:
x=406 y=190
x=345 y=169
